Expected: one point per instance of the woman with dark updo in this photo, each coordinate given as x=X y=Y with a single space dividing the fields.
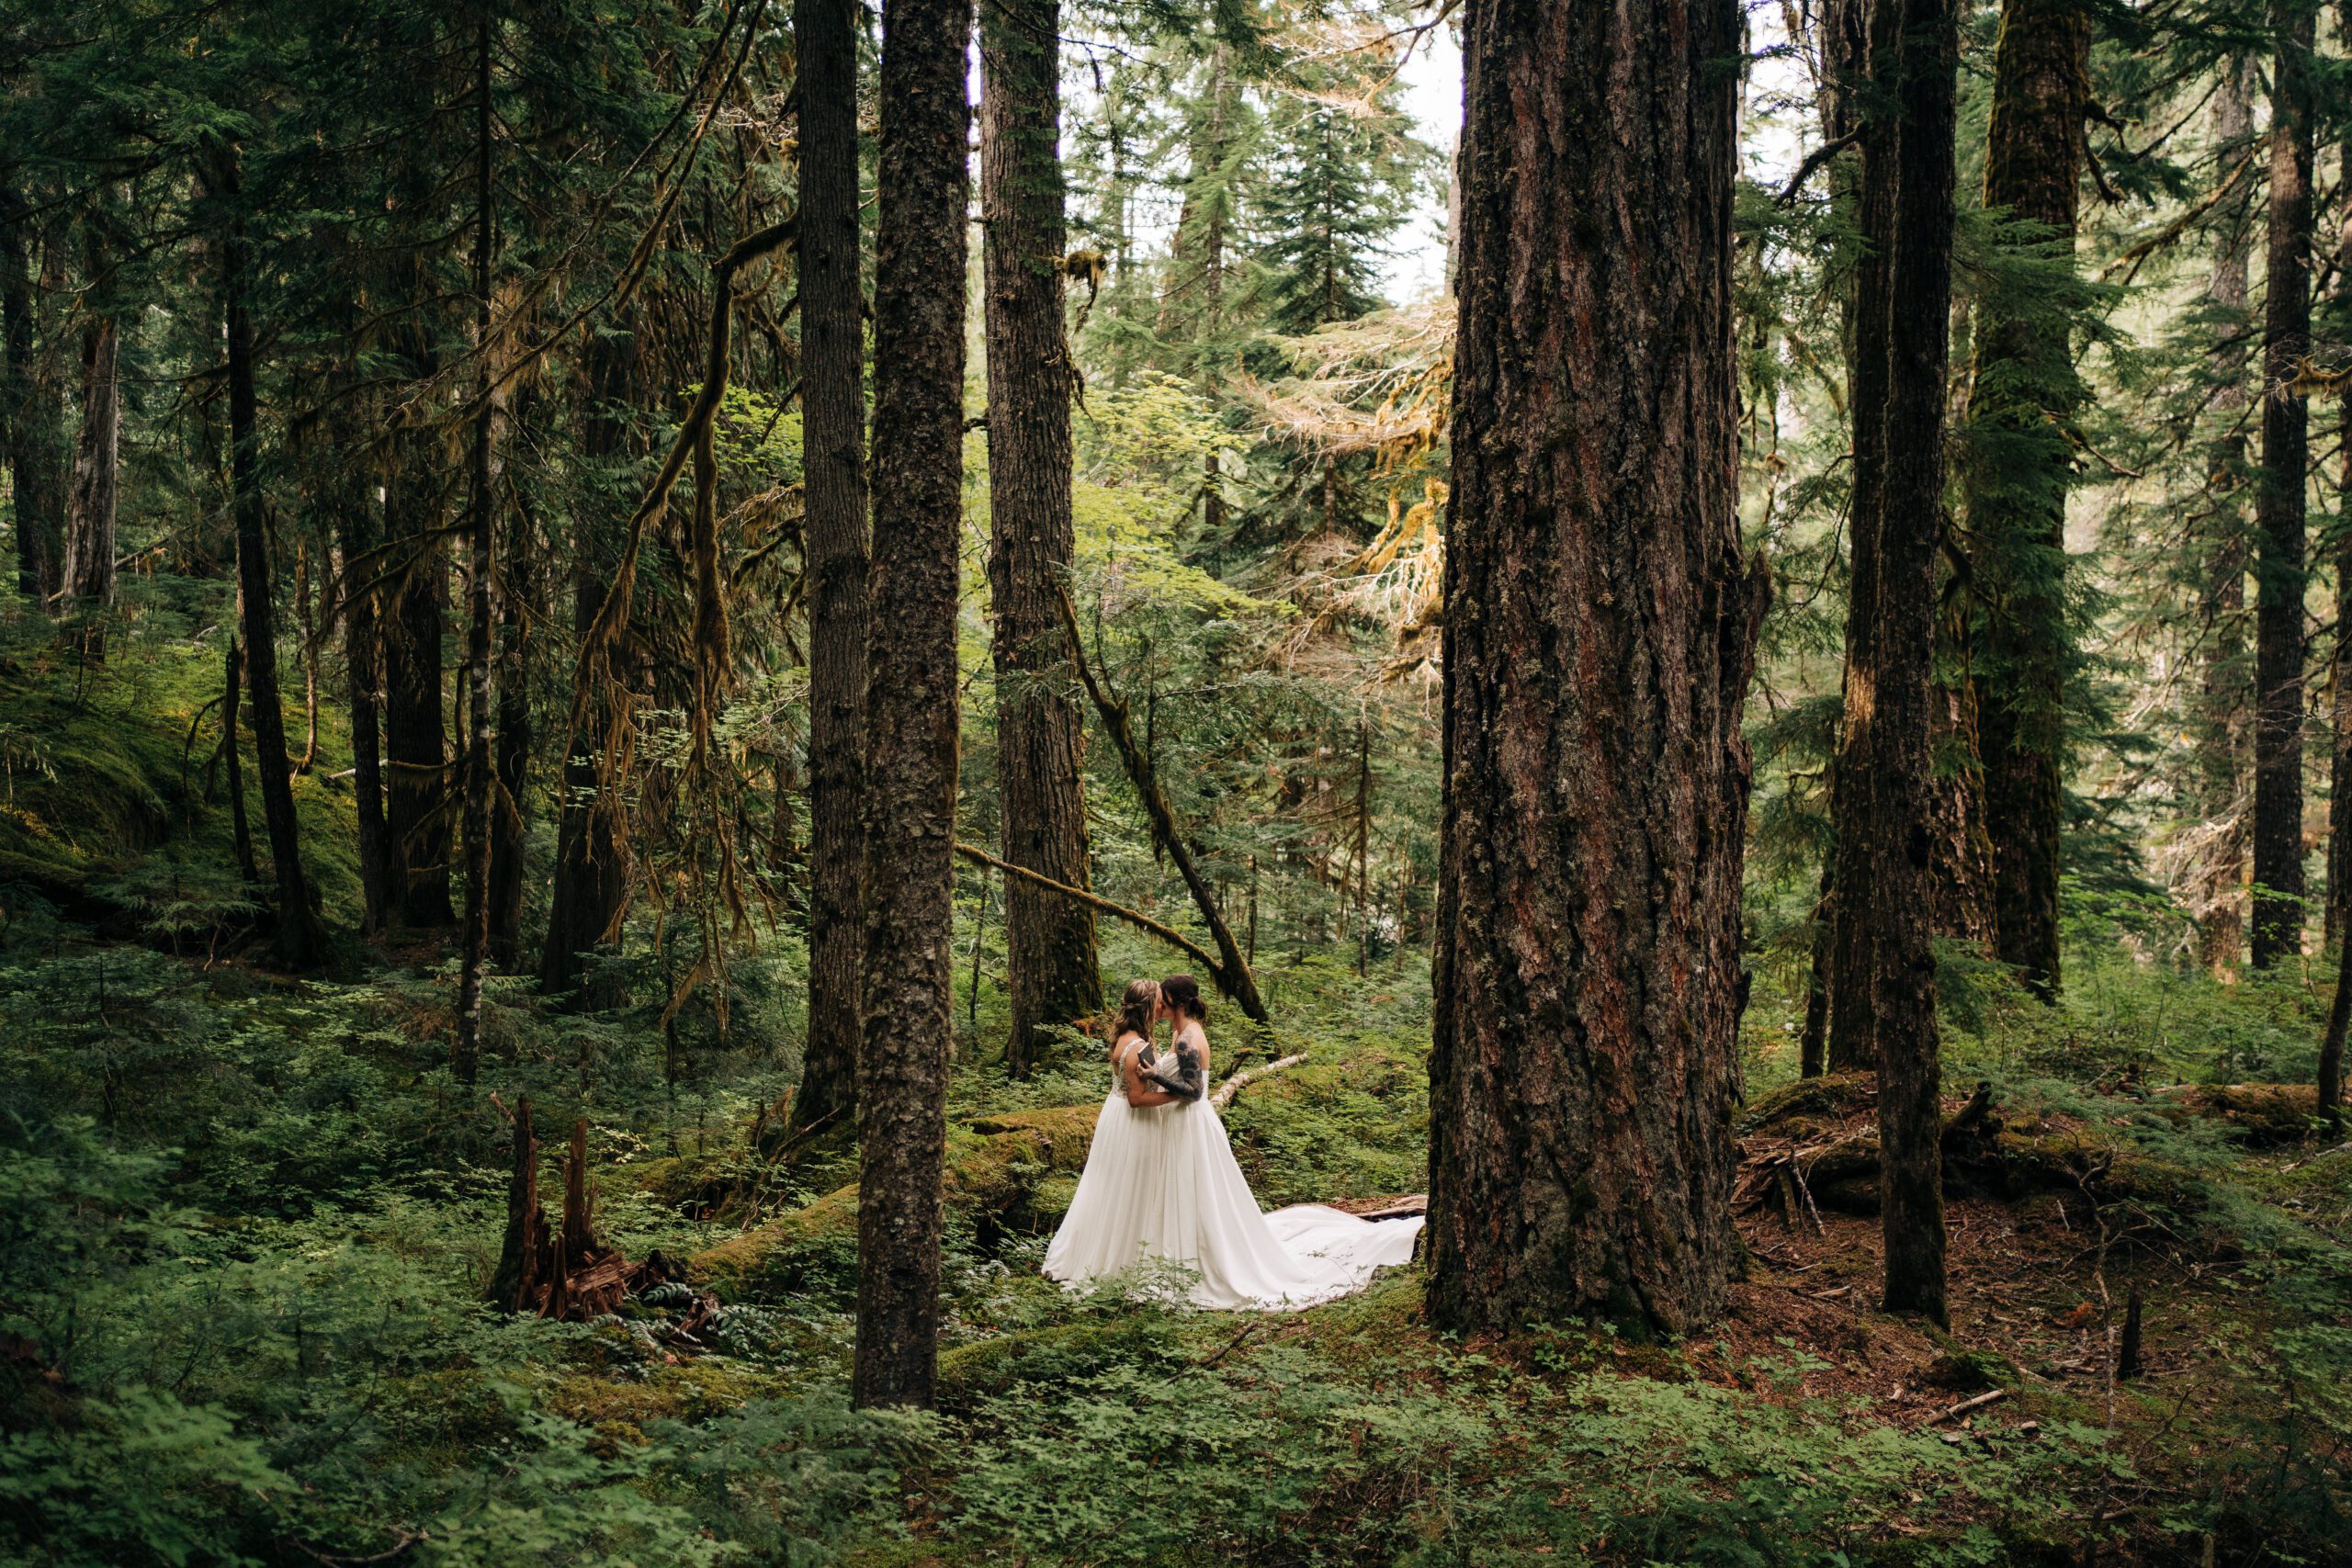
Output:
x=1161 y=1185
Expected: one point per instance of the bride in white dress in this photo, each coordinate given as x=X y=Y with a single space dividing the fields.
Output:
x=1161 y=1185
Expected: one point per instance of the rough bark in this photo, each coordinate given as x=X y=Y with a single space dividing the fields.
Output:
x=2339 y=799
x=1052 y=975
x=519 y=606
x=299 y=941
x=233 y=696
x=355 y=537
x=482 y=525
x=2330 y=1046
x=88 y=572
x=832 y=433
x=1909 y=167
x=2279 y=519
x=910 y=711
x=416 y=744
x=1857 y=913
x=2339 y=864
x=591 y=864
x=1812 y=1038
x=2022 y=393
x=2217 y=875
x=28 y=407
x=1963 y=885
x=1599 y=626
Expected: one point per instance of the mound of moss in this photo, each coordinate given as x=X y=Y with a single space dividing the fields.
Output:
x=997 y=1170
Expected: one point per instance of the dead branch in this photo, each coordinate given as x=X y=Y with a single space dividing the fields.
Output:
x=1169 y=934
x=1993 y=1396
x=1232 y=971
x=1241 y=1080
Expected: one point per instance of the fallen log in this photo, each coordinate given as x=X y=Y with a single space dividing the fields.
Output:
x=995 y=1166
x=2258 y=1113
x=1243 y=1079
x=1835 y=1164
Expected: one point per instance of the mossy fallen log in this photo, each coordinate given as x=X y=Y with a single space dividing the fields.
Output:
x=1810 y=1142
x=996 y=1169
x=2258 y=1113
x=1809 y=1102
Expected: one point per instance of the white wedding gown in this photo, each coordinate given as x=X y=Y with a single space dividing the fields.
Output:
x=1161 y=1188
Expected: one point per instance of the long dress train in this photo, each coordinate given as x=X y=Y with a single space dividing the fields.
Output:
x=1161 y=1185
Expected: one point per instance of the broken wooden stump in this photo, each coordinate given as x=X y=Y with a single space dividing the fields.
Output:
x=567 y=1274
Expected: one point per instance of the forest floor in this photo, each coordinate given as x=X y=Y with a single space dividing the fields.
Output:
x=247 y=1225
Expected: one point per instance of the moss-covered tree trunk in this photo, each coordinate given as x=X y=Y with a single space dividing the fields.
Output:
x=910 y=711
x=1051 y=970
x=1599 y=634
x=2279 y=506
x=2022 y=396
x=591 y=862
x=832 y=402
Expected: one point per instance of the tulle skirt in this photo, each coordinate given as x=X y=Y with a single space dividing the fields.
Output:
x=1163 y=1203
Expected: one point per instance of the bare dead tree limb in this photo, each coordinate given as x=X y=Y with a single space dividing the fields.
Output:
x=1231 y=970
x=1169 y=934
x=1241 y=1080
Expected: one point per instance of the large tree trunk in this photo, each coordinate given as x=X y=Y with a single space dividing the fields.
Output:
x=1051 y=970
x=592 y=860
x=300 y=940
x=2279 y=506
x=1907 y=177
x=832 y=430
x=233 y=696
x=1599 y=626
x=910 y=710
x=355 y=535
x=2022 y=395
x=88 y=577
x=481 y=592
x=416 y=744
x=28 y=407
x=519 y=606
x=1857 y=935
x=2216 y=878
x=2339 y=798
x=2339 y=860
x=1964 y=884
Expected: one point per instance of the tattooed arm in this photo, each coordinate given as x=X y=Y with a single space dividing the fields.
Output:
x=1180 y=1077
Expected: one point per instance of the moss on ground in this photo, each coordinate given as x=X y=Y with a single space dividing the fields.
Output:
x=995 y=1168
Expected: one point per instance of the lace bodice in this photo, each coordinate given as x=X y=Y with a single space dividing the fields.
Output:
x=1180 y=1076
x=1119 y=1066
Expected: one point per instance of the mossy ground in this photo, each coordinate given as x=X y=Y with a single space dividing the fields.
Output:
x=262 y=1215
